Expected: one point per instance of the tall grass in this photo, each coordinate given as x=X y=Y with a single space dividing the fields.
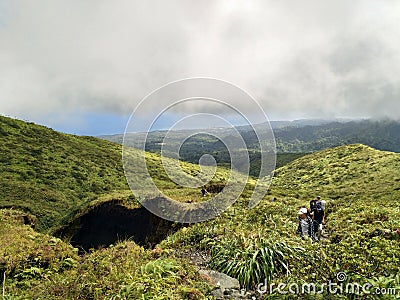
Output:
x=253 y=259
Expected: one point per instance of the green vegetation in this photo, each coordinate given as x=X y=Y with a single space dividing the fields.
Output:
x=57 y=176
x=361 y=186
x=256 y=259
x=43 y=267
x=50 y=174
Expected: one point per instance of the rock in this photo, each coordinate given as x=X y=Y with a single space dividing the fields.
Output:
x=223 y=281
x=226 y=286
x=228 y=292
x=218 y=294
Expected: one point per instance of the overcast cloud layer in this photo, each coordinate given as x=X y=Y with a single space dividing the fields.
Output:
x=298 y=58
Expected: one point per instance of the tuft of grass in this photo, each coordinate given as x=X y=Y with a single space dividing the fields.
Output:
x=253 y=260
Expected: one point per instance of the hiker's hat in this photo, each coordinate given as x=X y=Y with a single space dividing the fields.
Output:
x=302 y=211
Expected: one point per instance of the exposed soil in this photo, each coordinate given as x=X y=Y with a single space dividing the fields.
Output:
x=196 y=257
x=111 y=222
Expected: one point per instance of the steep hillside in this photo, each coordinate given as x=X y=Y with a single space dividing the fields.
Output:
x=51 y=174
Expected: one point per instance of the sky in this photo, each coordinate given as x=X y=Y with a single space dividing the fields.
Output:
x=82 y=66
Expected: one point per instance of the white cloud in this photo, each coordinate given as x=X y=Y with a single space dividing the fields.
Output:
x=300 y=59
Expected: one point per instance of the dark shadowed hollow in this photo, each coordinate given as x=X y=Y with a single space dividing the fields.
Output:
x=111 y=222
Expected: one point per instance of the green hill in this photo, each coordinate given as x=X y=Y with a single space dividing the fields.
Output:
x=64 y=181
x=362 y=188
x=345 y=172
x=55 y=176
x=50 y=174
x=52 y=181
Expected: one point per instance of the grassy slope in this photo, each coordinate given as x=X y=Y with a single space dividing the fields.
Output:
x=55 y=176
x=346 y=172
x=361 y=186
x=49 y=173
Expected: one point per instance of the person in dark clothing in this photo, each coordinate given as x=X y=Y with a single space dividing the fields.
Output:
x=203 y=192
x=318 y=215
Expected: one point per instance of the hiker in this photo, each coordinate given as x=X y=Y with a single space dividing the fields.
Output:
x=323 y=204
x=305 y=227
x=318 y=215
x=203 y=192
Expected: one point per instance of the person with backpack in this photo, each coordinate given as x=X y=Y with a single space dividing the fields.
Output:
x=305 y=227
x=318 y=215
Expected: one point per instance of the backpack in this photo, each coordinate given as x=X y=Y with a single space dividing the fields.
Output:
x=318 y=207
x=323 y=204
x=312 y=204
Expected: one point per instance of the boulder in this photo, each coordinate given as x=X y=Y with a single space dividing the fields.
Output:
x=223 y=281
